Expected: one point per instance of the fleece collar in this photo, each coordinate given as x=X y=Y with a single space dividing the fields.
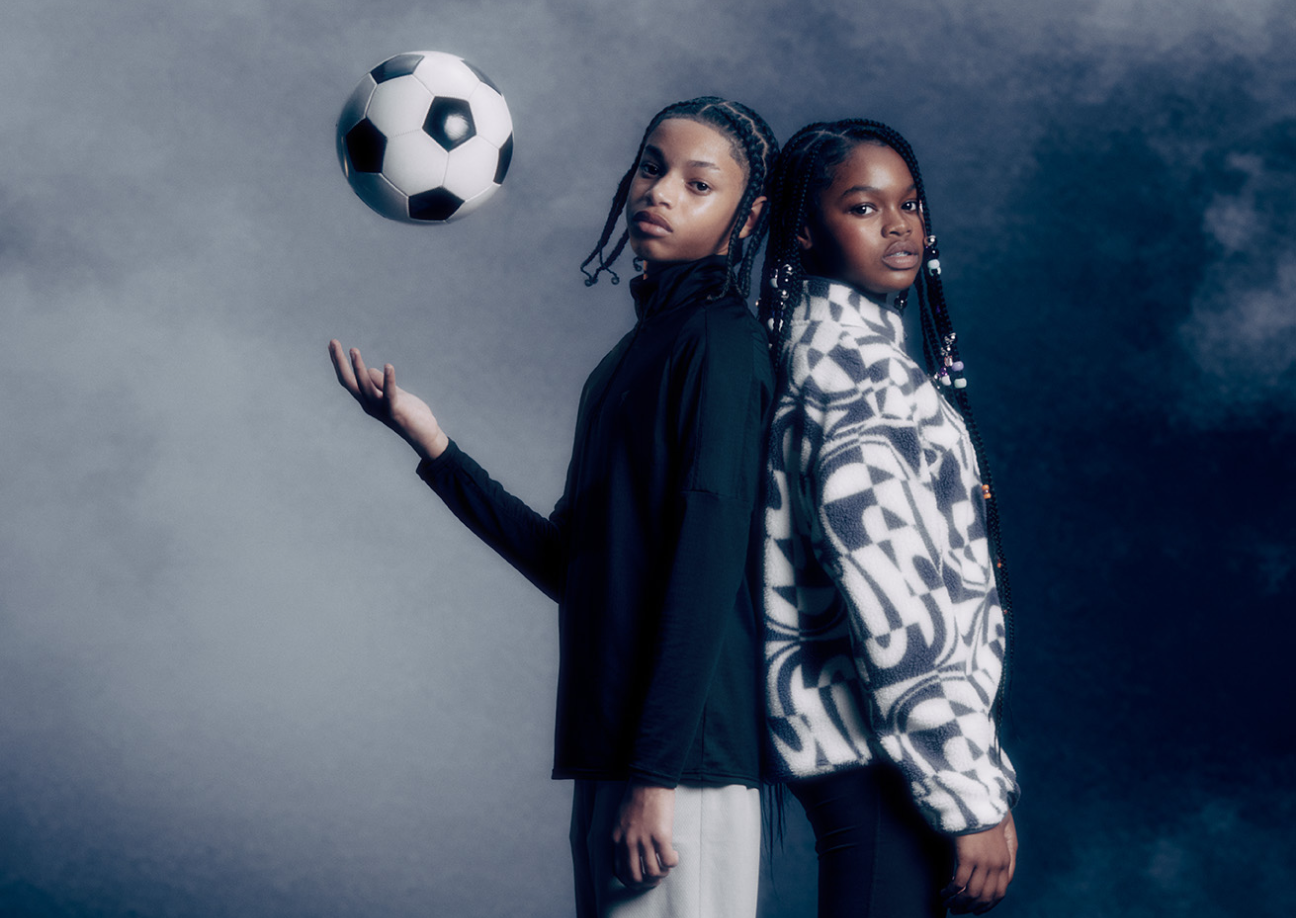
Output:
x=845 y=305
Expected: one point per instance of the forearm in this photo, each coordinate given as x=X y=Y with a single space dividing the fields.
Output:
x=698 y=617
x=529 y=541
x=927 y=640
x=707 y=629
x=930 y=678
x=965 y=782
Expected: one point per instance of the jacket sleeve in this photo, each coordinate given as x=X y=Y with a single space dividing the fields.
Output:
x=723 y=382
x=532 y=543
x=896 y=522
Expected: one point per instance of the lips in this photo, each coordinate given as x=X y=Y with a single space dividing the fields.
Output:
x=650 y=224
x=901 y=255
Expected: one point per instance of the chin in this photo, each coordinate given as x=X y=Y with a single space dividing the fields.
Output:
x=880 y=290
x=891 y=287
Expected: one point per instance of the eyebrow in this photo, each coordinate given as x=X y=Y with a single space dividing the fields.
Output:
x=870 y=188
x=695 y=163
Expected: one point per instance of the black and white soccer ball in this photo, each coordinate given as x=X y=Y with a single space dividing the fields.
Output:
x=425 y=138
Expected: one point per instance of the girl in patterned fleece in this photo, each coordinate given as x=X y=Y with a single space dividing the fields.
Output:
x=885 y=603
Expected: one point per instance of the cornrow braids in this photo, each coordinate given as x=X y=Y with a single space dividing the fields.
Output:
x=754 y=147
x=804 y=169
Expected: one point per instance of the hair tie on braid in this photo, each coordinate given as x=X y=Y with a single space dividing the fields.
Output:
x=784 y=271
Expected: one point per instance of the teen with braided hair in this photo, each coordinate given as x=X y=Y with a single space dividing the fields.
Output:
x=885 y=595
x=659 y=712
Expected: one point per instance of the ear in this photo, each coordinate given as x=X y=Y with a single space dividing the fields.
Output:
x=757 y=208
x=804 y=238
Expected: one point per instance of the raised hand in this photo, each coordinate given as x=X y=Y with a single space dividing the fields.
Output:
x=381 y=398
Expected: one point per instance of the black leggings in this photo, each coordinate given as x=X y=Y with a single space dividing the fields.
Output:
x=878 y=858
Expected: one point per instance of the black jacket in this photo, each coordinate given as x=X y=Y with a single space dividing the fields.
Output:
x=652 y=550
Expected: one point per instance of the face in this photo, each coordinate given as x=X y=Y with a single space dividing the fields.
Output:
x=867 y=229
x=685 y=191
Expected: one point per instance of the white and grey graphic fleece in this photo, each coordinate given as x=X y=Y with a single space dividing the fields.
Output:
x=884 y=634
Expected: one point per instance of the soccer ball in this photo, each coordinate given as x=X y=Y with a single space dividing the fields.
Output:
x=425 y=138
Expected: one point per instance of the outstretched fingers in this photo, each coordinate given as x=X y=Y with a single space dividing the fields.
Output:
x=389 y=388
x=342 y=367
x=363 y=378
x=374 y=389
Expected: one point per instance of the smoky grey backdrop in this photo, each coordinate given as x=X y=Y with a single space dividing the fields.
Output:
x=250 y=666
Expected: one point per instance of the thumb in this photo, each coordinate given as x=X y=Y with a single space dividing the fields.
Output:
x=668 y=856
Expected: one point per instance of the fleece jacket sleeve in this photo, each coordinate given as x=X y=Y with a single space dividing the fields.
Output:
x=927 y=639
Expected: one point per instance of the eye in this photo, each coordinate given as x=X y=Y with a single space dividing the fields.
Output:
x=911 y=206
x=701 y=186
x=863 y=210
x=647 y=167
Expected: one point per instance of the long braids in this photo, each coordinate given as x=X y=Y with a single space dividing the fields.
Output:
x=752 y=138
x=803 y=170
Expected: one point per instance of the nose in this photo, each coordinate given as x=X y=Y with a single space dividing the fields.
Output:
x=660 y=191
x=896 y=224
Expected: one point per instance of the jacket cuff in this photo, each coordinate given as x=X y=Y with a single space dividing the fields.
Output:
x=652 y=779
x=429 y=469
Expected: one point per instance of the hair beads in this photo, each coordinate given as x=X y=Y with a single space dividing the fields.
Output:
x=803 y=170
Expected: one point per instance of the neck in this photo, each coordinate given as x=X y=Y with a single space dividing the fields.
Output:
x=653 y=268
x=895 y=299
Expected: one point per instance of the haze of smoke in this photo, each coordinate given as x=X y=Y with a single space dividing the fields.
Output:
x=1244 y=341
x=1220 y=855
x=1242 y=330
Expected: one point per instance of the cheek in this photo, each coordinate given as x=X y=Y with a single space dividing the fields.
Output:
x=636 y=190
x=836 y=243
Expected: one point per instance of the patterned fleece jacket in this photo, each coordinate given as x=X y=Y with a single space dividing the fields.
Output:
x=884 y=634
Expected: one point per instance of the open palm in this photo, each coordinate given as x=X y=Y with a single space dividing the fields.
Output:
x=381 y=398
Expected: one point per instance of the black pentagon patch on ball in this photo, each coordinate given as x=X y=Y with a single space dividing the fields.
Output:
x=437 y=204
x=449 y=122
x=483 y=77
x=365 y=145
x=400 y=65
x=505 y=157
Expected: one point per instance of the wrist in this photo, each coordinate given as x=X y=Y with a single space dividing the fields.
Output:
x=638 y=790
x=430 y=447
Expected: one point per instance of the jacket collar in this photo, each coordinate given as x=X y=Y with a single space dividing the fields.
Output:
x=846 y=305
x=677 y=284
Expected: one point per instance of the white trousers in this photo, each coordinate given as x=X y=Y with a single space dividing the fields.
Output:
x=717 y=833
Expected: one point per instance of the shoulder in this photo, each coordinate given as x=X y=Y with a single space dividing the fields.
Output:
x=832 y=357
x=831 y=365
x=726 y=336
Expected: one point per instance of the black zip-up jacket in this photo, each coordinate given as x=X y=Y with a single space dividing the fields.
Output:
x=652 y=552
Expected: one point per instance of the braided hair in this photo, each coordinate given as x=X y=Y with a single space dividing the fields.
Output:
x=804 y=169
x=754 y=148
